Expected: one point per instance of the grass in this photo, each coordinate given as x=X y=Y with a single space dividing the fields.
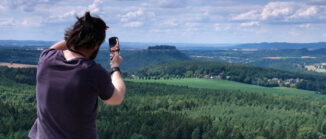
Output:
x=231 y=85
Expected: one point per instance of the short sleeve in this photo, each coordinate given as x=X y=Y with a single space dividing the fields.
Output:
x=104 y=83
x=45 y=53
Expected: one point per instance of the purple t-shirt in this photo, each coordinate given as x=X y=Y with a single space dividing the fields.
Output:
x=67 y=96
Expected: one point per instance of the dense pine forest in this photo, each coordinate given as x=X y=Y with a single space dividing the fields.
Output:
x=236 y=72
x=153 y=110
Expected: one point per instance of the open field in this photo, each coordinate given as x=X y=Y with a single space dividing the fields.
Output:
x=231 y=85
x=317 y=67
x=14 y=65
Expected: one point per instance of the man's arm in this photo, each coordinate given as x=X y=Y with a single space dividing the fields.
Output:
x=117 y=81
x=61 y=45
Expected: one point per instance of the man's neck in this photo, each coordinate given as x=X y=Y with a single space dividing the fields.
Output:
x=72 y=55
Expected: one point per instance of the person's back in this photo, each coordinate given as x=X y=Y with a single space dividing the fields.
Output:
x=68 y=85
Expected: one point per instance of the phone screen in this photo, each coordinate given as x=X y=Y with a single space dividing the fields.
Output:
x=114 y=46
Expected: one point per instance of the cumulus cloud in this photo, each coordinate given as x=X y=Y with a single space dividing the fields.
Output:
x=95 y=7
x=169 y=22
x=67 y=13
x=131 y=15
x=285 y=12
x=2 y=8
x=133 y=24
x=309 y=12
x=30 y=21
x=163 y=30
x=304 y=25
x=278 y=10
x=222 y=27
x=25 y=5
x=7 y=22
x=250 y=24
x=171 y=3
x=135 y=18
x=63 y=14
x=171 y=16
x=251 y=15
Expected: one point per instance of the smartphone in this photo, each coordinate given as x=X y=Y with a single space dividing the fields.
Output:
x=114 y=46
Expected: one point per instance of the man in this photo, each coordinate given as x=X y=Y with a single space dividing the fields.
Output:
x=69 y=82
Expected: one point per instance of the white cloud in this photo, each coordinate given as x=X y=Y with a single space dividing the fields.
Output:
x=293 y=33
x=171 y=3
x=163 y=30
x=222 y=27
x=251 y=15
x=7 y=22
x=192 y=24
x=192 y=27
x=133 y=24
x=64 y=14
x=250 y=24
x=30 y=21
x=306 y=12
x=26 y=5
x=173 y=17
x=304 y=25
x=131 y=15
x=285 y=12
x=95 y=7
x=324 y=35
x=2 y=8
x=170 y=22
x=278 y=10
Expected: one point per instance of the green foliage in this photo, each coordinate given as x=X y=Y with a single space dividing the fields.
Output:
x=155 y=110
x=16 y=55
x=289 y=59
x=20 y=75
x=235 y=72
x=133 y=59
x=308 y=133
x=230 y=85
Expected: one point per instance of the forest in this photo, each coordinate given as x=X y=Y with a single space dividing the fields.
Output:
x=282 y=58
x=236 y=72
x=153 y=110
x=133 y=59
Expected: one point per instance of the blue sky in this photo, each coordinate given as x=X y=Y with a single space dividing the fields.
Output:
x=171 y=21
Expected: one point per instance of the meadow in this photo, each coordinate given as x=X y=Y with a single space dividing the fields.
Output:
x=230 y=85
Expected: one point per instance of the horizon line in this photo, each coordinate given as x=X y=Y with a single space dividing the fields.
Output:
x=183 y=42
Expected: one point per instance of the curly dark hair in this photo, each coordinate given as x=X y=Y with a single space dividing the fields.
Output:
x=88 y=32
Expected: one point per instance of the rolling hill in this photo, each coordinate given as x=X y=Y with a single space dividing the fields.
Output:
x=235 y=72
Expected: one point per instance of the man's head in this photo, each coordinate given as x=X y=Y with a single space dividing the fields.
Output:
x=88 y=33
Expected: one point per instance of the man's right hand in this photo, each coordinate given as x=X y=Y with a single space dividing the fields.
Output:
x=116 y=60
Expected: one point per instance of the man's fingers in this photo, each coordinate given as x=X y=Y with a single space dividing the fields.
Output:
x=116 y=53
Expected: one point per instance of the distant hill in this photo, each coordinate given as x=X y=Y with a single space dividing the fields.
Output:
x=153 y=55
x=25 y=43
x=236 y=72
x=281 y=45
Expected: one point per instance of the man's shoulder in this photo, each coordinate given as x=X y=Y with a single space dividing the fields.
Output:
x=47 y=51
x=46 y=54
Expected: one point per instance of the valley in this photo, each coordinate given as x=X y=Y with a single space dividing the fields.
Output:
x=188 y=93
